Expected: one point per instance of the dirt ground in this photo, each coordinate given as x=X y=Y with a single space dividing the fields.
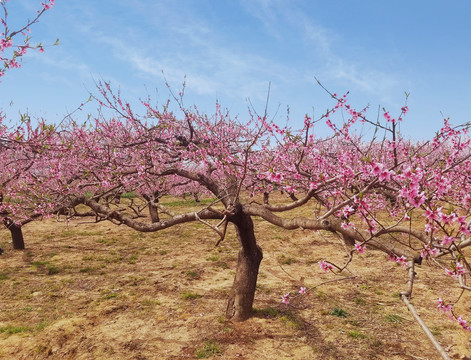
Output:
x=99 y=291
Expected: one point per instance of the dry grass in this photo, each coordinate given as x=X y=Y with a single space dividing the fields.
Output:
x=98 y=291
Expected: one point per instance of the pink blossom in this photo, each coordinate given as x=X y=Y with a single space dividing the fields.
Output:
x=463 y=323
x=275 y=177
x=457 y=271
x=5 y=44
x=377 y=168
x=429 y=251
x=402 y=260
x=385 y=175
x=388 y=117
x=417 y=200
x=290 y=189
x=348 y=210
x=22 y=50
x=285 y=299
x=325 y=266
x=433 y=214
x=408 y=174
x=429 y=228
x=13 y=64
x=447 y=241
x=48 y=5
x=360 y=248
x=302 y=290
x=445 y=308
x=312 y=186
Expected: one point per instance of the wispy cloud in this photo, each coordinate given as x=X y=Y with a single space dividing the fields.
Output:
x=329 y=62
x=210 y=67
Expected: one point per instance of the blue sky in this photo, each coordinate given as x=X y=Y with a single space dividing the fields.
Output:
x=232 y=50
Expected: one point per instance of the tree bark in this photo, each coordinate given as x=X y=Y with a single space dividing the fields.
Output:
x=16 y=234
x=153 y=209
x=153 y=212
x=15 y=230
x=239 y=307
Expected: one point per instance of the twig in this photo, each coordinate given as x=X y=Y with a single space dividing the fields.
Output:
x=405 y=296
x=222 y=234
x=425 y=328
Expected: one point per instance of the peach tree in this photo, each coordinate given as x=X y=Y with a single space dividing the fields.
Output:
x=409 y=199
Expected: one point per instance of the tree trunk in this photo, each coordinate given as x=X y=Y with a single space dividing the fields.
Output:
x=153 y=213
x=265 y=198
x=16 y=234
x=239 y=307
x=153 y=209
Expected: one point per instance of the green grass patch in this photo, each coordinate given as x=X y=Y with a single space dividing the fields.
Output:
x=268 y=312
x=356 y=334
x=3 y=276
x=192 y=274
x=129 y=195
x=41 y=325
x=209 y=348
x=36 y=264
x=108 y=241
x=360 y=301
x=339 y=313
x=52 y=269
x=189 y=295
x=10 y=329
x=291 y=321
x=87 y=269
x=110 y=296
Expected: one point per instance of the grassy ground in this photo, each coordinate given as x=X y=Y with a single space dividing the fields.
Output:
x=100 y=291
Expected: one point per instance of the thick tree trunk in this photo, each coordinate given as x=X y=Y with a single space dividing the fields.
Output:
x=239 y=307
x=153 y=209
x=15 y=230
x=265 y=198
x=153 y=213
x=16 y=234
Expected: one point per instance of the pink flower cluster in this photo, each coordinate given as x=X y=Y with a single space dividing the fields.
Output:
x=5 y=44
x=448 y=310
x=325 y=266
x=360 y=248
x=445 y=308
x=458 y=269
x=275 y=177
x=401 y=260
x=429 y=251
x=285 y=299
x=48 y=5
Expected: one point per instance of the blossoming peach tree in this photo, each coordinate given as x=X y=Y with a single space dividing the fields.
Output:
x=408 y=199
x=14 y=160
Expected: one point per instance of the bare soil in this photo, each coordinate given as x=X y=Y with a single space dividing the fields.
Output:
x=100 y=291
